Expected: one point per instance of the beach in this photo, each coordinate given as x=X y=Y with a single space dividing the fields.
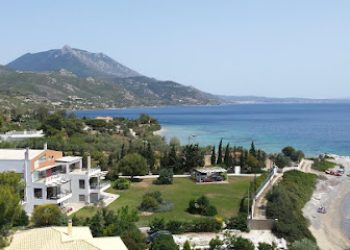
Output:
x=331 y=192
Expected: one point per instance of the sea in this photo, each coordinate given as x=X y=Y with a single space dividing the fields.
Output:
x=313 y=128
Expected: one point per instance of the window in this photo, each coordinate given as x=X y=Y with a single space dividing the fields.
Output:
x=82 y=184
x=38 y=193
x=82 y=197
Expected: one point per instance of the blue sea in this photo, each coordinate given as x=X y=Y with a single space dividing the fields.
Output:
x=313 y=128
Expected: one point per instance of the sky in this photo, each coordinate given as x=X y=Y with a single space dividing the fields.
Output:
x=275 y=48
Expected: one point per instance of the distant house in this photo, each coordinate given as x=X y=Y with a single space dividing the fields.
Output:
x=104 y=118
x=51 y=178
x=63 y=238
x=20 y=135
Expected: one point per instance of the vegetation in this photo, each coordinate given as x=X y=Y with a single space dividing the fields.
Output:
x=48 y=215
x=164 y=242
x=11 y=213
x=265 y=246
x=201 y=206
x=288 y=155
x=221 y=196
x=322 y=165
x=133 y=164
x=165 y=177
x=121 y=184
x=239 y=223
x=285 y=203
x=153 y=202
x=231 y=242
x=304 y=244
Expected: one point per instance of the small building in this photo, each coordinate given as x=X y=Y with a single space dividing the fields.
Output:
x=20 y=135
x=104 y=118
x=51 y=178
x=63 y=238
x=209 y=174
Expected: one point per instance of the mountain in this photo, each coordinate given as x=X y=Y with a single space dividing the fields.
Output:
x=64 y=89
x=80 y=62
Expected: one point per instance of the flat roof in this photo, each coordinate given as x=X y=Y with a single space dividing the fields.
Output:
x=206 y=170
x=18 y=154
x=69 y=159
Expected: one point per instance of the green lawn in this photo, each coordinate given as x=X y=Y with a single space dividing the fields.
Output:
x=323 y=165
x=226 y=197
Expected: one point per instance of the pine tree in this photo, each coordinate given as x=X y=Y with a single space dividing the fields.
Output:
x=219 y=161
x=252 y=149
x=227 y=157
x=213 y=156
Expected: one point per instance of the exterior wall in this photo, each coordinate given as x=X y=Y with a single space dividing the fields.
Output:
x=51 y=157
x=261 y=224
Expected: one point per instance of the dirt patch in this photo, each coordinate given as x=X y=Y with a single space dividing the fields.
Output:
x=146 y=213
x=143 y=183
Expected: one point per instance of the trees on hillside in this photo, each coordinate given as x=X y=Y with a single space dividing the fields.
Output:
x=48 y=215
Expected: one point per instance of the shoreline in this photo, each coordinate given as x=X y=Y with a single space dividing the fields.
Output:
x=331 y=192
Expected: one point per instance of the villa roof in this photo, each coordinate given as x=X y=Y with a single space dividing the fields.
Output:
x=207 y=170
x=18 y=154
x=56 y=238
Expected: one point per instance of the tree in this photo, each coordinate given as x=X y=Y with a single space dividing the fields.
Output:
x=304 y=244
x=227 y=157
x=97 y=224
x=233 y=242
x=9 y=204
x=288 y=151
x=122 y=151
x=252 y=150
x=282 y=161
x=48 y=215
x=213 y=156
x=201 y=206
x=192 y=157
x=253 y=163
x=164 y=242
x=216 y=244
x=187 y=245
x=133 y=164
x=219 y=160
x=134 y=239
x=165 y=177
x=149 y=155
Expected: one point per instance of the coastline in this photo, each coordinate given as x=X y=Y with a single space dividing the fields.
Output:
x=160 y=132
x=331 y=192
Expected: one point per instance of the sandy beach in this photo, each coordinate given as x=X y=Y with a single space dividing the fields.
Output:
x=331 y=192
x=160 y=132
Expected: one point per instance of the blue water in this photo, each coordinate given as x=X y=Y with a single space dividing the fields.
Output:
x=313 y=128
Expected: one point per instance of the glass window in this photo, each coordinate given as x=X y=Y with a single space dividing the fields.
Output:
x=81 y=197
x=38 y=193
x=82 y=184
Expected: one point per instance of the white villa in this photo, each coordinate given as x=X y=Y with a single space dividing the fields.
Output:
x=53 y=178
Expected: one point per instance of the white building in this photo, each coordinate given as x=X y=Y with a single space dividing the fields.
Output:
x=20 y=135
x=52 y=178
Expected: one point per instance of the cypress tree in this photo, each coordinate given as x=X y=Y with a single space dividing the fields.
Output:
x=219 y=161
x=227 y=157
x=213 y=156
x=252 y=149
x=122 y=151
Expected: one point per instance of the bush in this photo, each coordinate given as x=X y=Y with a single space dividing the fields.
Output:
x=153 y=202
x=21 y=219
x=48 y=215
x=304 y=244
x=323 y=165
x=201 y=206
x=164 y=242
x=291 y=194
x=134 y=239
x=239 y=223
x=187 y=245
x=121 y=184
x=265 y=246
x=157 y=224
x=206 y=225
x=165 y=177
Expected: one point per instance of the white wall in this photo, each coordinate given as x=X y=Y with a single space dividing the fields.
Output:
x=12 y=165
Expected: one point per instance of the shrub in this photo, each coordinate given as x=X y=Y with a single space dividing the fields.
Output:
x=121 y=184
x=134 y=239
x=304 y=244
x=157 y=224
x=215 y=244
x=165 y=177
x=164 y=242
x=239 y=223
x=48 y=215
x=187 y=245
x=177 y=227
x=201 y=206
x=205 y=225
x=149 y=204
x=21 y=219
x=265 y=246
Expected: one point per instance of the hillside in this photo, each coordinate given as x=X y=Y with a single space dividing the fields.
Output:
x=66 y=90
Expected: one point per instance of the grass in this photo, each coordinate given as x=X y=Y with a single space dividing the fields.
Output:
x=226 y=197
x=323 y=165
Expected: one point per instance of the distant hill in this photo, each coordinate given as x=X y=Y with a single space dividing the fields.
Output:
x=67 y=90
x=272 y=100
x=80 y=62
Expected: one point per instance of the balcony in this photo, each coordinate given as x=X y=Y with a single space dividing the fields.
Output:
x=59 y=198
x=103 y=185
